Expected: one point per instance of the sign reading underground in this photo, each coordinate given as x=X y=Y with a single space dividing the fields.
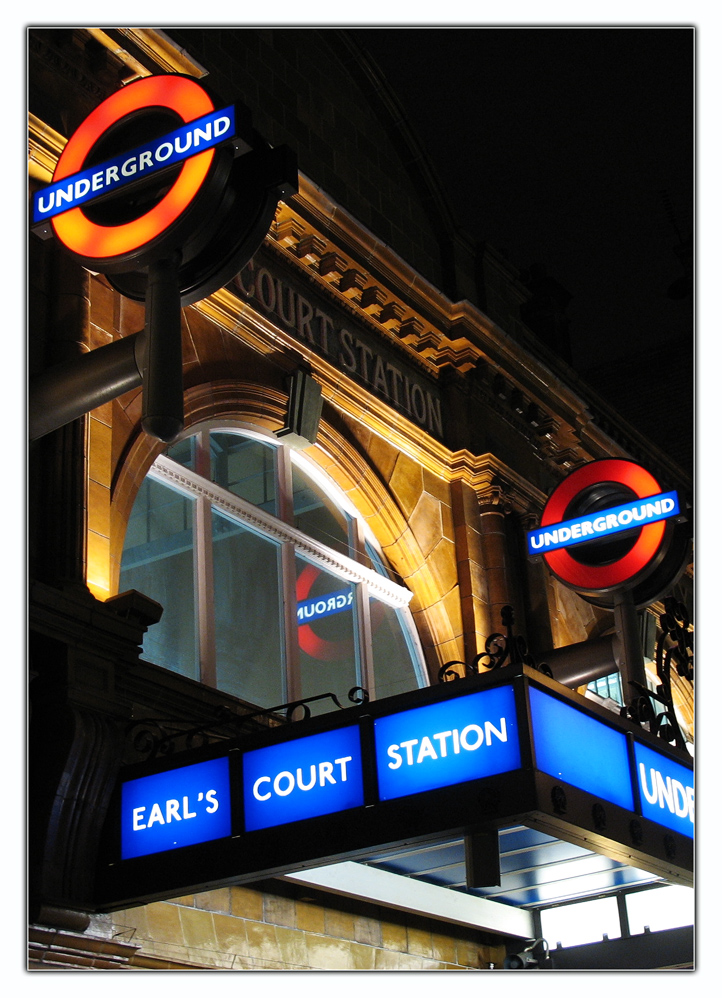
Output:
x=609 y=527
x=170 y=195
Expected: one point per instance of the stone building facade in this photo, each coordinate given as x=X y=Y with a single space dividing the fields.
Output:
x=445 y=423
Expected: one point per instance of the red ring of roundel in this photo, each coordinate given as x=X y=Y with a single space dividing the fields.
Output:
x=603 y=577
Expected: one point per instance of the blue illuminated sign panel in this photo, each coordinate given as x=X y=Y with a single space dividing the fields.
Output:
x=304 y=778
x=181 y=807
x=446 y=743
x=578 y=749
x=666 y=790
x=594 y=526
x=104 y=178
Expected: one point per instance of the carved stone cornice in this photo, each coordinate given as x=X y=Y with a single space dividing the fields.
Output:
x=496 y=485
x=44 y=148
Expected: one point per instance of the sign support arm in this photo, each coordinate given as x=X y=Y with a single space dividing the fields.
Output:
x=163 y=372
x=69 y=390
x=631 y=659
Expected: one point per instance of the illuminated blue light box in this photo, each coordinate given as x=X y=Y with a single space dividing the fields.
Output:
x=446 y=743
x=181 y=807
x=578 y=749
x=302 y=779
x=666 y=789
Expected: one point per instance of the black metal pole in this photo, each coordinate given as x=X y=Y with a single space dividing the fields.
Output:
x=631 y=658
x=69 y=390
x=163 y=373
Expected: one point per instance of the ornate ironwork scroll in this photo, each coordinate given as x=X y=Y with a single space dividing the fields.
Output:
x=674 y=648
x=499 y=650
x=157 y=737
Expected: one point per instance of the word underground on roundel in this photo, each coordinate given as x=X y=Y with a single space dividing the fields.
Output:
x=610 y=521
x=91 y=183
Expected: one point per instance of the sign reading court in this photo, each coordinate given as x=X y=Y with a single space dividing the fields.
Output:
x=303 y=778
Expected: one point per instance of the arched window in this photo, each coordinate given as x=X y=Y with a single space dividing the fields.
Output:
x=272 y=586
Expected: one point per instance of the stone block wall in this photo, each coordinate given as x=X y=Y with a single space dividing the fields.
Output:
x=238 y=928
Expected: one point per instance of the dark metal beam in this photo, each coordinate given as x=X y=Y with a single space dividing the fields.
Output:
x=647 y=951
x=584 y=662
x=67 y=391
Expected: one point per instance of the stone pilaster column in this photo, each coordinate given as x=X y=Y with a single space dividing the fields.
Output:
x=540 y=637
x=57 y=462
x=497 y=557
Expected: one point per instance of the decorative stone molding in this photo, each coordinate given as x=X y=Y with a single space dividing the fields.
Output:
x=495 y=484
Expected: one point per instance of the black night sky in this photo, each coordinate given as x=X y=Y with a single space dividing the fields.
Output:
x=573 y=148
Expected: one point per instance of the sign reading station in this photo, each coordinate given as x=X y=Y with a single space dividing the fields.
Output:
x=447 y=743
x=303 y=778
x=180 y=807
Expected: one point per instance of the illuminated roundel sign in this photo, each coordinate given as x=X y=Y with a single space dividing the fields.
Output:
x=104 y=165
x=609 y=527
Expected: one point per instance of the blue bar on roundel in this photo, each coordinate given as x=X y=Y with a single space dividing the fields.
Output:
x=597 y=526
x=113 y=174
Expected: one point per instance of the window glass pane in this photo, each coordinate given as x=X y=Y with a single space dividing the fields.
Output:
x=158 y=561
x=249 y=650
x=663 y=908
x=396 y=669
x=316 y=515
x=380 y=564
x=576 y=924
x=326 y=633
x=183 y=452
x=245 y=467
x=609 y=687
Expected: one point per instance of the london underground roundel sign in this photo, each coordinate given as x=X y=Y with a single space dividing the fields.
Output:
x=179 y=95
x=159 y=171
x=609 y=527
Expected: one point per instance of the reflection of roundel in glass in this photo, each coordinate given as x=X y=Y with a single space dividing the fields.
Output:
x=310 y=641
x=593 y=487
x=178 y=94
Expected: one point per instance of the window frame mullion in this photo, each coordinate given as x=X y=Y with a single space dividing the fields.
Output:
x=365 y=636
x=205 y=593
x=290 y=622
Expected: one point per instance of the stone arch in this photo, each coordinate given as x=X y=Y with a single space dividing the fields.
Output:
x=342 y=460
